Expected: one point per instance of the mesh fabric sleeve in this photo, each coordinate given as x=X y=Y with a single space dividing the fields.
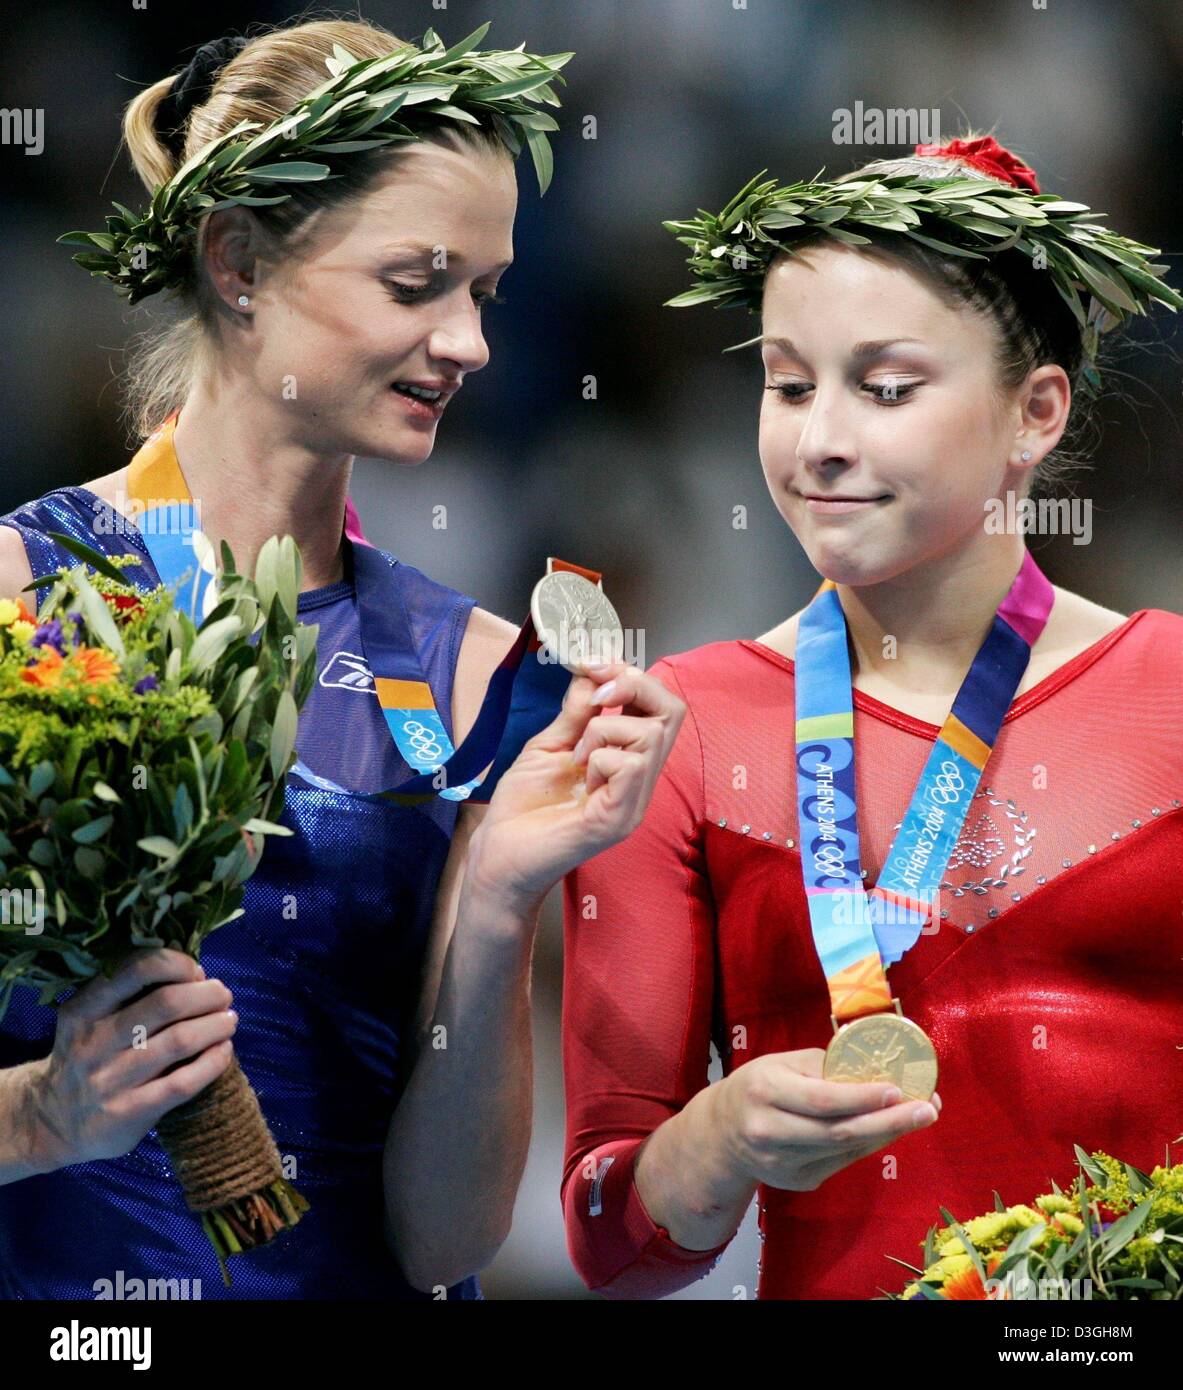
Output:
x=638 y=975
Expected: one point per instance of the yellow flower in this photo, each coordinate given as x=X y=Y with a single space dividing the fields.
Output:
x=1069 y=1224
x=9 y=612
x=947 y=1266
x=1023 y=1216
x=22 y=630
x=1054 y=1201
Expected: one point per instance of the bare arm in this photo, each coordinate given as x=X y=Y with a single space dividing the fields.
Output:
x=24 y=1147
x=460 y=1135
x=459 y=1138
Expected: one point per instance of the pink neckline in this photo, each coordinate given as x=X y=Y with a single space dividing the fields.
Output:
x=1028 y=700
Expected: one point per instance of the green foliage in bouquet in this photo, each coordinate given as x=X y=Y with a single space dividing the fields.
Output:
x=141 y=757
x=1118 y=1236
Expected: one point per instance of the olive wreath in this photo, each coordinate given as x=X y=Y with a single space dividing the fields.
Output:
x=362 y=106
x=973 y=217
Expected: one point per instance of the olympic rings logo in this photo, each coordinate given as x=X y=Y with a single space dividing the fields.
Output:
x=422 y=740
x=948 y=784
x=829 y=862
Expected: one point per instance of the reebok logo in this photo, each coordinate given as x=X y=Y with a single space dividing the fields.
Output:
x=348 y=671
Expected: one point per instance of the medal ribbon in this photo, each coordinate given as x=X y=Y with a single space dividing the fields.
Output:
x=523 y=696
x=858 y=934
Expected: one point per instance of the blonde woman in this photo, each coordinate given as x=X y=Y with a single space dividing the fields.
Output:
x=410 y=923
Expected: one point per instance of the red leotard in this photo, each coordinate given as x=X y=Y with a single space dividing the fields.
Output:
x=1052 y=989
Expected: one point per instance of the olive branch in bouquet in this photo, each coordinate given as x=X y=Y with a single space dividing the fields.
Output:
x=139 y=767
x=1117 y=1237
x=364 y=105
x=140 y=822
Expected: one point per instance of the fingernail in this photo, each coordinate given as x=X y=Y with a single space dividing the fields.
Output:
x=200 y=973
x=233 y=1014
x=598 y=665
x=577 y=750
x=892 y=1095
x=602 y=696
x=923 y=1114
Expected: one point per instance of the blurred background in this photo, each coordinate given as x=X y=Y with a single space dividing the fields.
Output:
x=690 y=99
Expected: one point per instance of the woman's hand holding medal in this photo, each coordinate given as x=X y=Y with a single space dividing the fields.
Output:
x=580 y=785
x=774 y=1120
x=782 y=1124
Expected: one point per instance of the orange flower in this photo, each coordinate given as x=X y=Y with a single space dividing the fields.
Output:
x=97 y=665
x=24 y=616
x=47 y=674
x=968 y=1284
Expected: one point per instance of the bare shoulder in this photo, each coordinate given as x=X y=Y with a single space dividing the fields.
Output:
x=486 y=640
x=783 y=637
x=111 y=487
x=1076 y=622
x=15 y=571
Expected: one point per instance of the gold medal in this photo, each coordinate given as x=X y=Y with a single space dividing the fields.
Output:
x=883 y=1047
x=574 y=620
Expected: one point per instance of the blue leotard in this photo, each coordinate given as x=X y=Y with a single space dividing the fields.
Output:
x=324 y=967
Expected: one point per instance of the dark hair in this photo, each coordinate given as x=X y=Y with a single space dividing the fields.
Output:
x=1034 y=325
x=274 y=69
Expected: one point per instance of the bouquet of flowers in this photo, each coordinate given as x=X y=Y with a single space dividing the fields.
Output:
x=141 y=757
x=1113 y=1238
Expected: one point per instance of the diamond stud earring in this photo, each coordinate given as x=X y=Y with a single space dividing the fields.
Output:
x=244 y=300
x=1026 y=454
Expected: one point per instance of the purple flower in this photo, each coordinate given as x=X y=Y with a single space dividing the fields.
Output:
x=49 y=635
x=144 y=685
x=76 y=618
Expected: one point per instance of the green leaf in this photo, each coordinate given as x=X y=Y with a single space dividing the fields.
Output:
x=42 y=852
x=98 y=617
x=93 y=830
x=1124 y=1229
x=182 y=811
x=291 y=171
x=540 y=152
x=94 y=558
x=90 y=863
x=283 y=733
x=158 y=845
x=267 y=827
x=517 y=87
x=464 y=46
x=42 y=778
x=212 y=641
x=1096 y=1174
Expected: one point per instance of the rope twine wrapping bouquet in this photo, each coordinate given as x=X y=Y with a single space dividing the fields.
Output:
x=229 y=1166
x=362 y=106
x=1102 y=277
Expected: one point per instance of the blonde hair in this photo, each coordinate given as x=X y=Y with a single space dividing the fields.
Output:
x=276 y=69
